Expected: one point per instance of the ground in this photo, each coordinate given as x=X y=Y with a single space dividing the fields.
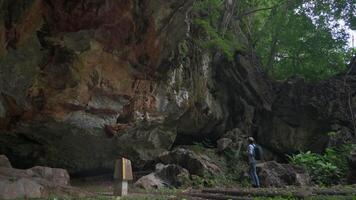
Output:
x=102 y=190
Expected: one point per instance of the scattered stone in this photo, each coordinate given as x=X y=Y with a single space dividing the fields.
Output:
x=194 y=163
x=4 y=161
x=223 y=144
x=273 y=174
x=352 y=167
x=164 y=176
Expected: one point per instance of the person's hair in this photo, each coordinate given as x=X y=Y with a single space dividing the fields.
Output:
x=251 y=140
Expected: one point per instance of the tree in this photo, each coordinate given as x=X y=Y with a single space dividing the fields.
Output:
x=302 y=37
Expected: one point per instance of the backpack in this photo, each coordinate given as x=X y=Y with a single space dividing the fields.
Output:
x=258 y=153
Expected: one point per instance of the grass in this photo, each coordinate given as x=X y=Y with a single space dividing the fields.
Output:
x=309 y=198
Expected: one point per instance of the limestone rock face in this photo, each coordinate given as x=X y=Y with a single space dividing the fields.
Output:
x=68 y=69
x=72 y=73
x=273 y=174
x=309 y=116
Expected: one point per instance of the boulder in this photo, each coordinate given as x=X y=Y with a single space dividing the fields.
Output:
x=54 y=175
x=21 y=188
x=273 y=174
x=223 y=144
x=144 y=143
x=306 y=116
x=4 y=161
x=352 y=168
x=239 y=142
x=194 y=163
x=150 y=181
x=37 y=182
x=164 y=176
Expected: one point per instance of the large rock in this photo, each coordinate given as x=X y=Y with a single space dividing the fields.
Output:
x=352 y=167
x=21 y=188
x=54 y=175
x=71 y=68
x=164 y=176
x=144 y=143
x=194 y=163
x=37 y=182
x=223 y=144
x=306 y=116
x=273 y=174
x=4 y=161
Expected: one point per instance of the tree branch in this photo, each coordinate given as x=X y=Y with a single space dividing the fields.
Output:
x=266 y=8
x=257 y=10
x=230 y=6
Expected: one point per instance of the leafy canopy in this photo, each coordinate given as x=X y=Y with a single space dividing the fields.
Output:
x=291 y=37
x=302 y=37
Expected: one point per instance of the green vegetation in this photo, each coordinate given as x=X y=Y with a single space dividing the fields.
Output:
x=309 y=198
x=275 y=198
x=302 y=37
x=114 y=198
x=325 y=169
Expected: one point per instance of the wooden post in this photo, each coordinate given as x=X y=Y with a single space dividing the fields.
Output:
x=122 y=174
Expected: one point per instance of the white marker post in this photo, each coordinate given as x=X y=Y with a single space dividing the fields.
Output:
x=122 y=174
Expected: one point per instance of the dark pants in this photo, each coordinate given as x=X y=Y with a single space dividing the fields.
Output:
x=253 y=174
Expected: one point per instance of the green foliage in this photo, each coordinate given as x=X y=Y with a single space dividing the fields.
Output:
x=325 y=169
x=183 y=48
x=309 y=198
x=209 y=181
x=209 y=15
x=275 y=198
x=302 y=37
x=332 y=198
x=321 y=171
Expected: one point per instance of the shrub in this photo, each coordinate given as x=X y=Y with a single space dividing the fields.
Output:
x=325 y=169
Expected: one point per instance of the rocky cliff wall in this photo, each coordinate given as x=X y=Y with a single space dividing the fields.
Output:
x=310 y=116
x=84 y=82
x=70 y=68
